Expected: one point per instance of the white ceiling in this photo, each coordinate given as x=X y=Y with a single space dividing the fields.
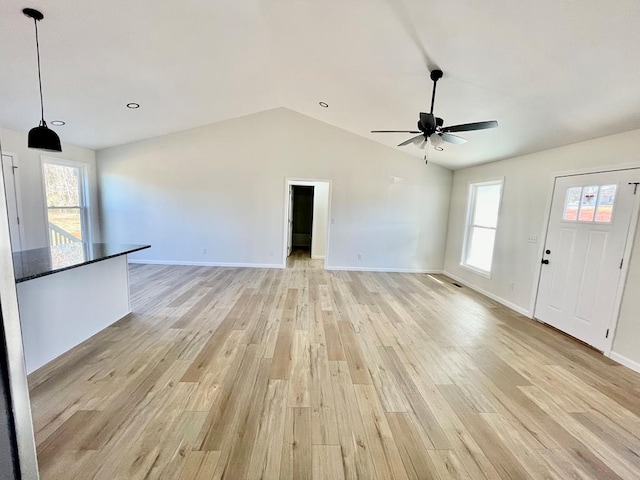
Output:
x=552 y=72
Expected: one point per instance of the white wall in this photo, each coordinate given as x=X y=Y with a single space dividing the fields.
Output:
x=34 y=216
x=187 y=191
x=626 y=346
x=527 y=189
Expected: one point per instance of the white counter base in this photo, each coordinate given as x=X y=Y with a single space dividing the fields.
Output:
x=60 y=311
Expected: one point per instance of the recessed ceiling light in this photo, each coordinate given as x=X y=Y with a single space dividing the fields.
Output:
x=324 y=104
x=133 y=105
x=57 y=123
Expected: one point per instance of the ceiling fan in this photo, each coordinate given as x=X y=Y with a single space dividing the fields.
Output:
x=430 y=127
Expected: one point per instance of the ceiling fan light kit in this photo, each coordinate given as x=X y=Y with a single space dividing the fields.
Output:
x=41 y=137
x=432 y=129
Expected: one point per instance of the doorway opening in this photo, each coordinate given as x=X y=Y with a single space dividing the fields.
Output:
x=301 y=220
x=306 y=222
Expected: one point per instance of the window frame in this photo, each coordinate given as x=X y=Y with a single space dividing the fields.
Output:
x=472 y=188
x=85 y=196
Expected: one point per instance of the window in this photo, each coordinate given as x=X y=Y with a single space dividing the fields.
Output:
x=593 y=203
x=66 y=201
x=482 y=222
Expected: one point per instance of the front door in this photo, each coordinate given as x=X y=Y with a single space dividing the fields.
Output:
x=583 y=254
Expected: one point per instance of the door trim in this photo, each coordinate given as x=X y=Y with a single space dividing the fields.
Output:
x=18 y=384
x=622 y=280
x=288 y=183
x=17 y=183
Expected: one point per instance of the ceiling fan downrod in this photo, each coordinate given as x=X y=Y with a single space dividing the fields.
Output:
x=435 y=76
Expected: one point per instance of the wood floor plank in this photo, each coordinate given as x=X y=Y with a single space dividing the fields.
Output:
x=356 y=454
x=332 y=335
x=297 y=461
x=281 y=366
x=353 y=354
x=267 y=449
x=324 y=424
x=327 y=463
x=384 y=451
x=302 y=373
x=448 y=465
x=428 y=422
x=414 y=453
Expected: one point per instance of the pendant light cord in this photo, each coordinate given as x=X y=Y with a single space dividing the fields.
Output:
x=35 y=23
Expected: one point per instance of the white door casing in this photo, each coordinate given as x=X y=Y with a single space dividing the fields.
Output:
x=12 y=191
x=290 y=220
x=578 y=287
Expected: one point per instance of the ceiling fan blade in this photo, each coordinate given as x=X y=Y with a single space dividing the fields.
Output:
x=419 y=140
x=447 y=137
x=395 y=131
x=411 y=140
x=427 y=121
x=466 y=127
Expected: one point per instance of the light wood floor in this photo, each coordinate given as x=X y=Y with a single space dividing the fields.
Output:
x=302 y=373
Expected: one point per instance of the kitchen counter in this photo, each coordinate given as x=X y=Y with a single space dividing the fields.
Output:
x=68 y=293
x=30 y=264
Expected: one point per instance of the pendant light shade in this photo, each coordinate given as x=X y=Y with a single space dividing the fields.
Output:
x=41 y=137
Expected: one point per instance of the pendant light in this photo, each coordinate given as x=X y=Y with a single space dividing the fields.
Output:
x=41 y=137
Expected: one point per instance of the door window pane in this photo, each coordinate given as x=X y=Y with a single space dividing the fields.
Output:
x=606 y=199
x=588 y=204
x=572 y=204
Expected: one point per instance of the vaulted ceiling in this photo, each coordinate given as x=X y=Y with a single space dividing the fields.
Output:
x=552 y=72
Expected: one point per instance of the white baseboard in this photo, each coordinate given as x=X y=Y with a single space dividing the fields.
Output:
x=317 y=257
x=498 y=299
x=627 y=362
x=207 y=264
x=382 y=269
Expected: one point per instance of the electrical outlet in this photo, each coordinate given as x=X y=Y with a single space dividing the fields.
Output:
x=333 y=221
x=359 y=256
x=204 y=250
x=271 y=253
x=512 y=285
x=532 y=238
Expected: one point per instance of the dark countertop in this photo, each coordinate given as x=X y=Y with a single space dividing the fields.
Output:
x=30 y=264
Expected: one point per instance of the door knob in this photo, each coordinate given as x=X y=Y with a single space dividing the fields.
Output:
x=547 y=252
x=545 y=261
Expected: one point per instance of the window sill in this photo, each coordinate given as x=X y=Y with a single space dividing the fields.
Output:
x=477 y=271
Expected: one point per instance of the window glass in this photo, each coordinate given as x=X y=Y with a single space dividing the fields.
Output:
x=588 y=204
x=572 y=204
x=487 y=205
x=66 y=212
x=482 y=221
x=606 y=199
x=481 y=242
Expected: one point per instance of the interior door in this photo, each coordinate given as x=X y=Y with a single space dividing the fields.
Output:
x=290 y=224
x=10 y=169
x=583 y=254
